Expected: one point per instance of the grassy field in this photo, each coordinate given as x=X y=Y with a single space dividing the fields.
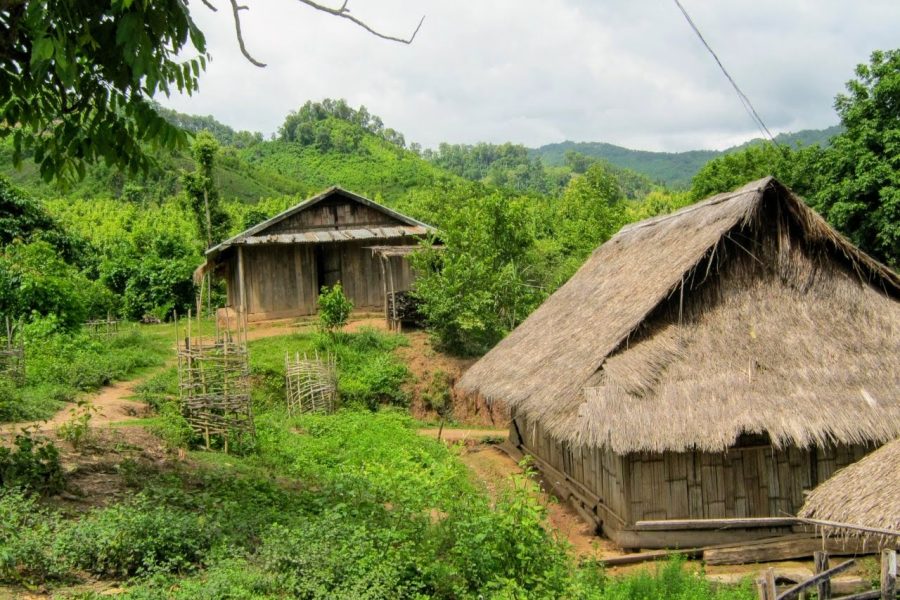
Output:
x=350 y=505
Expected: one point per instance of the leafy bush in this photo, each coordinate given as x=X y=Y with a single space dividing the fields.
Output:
x=334 y=308
x=26 y=540
x=135 y=537
x=31 y=465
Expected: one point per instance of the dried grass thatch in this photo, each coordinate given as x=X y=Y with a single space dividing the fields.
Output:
x=866 y=493
x=743 y=313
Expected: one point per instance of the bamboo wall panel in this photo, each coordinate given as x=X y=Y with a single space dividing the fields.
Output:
x=743 y=482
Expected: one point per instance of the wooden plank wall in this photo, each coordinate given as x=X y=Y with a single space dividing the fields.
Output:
x=281 y=279
x=333 y=213
x=743 y=482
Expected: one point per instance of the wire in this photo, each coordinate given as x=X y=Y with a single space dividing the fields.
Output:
x=748 y=106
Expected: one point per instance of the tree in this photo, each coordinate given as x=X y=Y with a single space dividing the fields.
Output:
x=77 y=76
x=202 y=193
x=480 y=284
x=859 y=186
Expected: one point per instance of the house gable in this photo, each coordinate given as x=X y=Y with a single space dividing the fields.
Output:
x=337 y=211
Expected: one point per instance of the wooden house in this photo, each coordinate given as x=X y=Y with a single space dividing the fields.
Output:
x=714 y=363
x=276 y=269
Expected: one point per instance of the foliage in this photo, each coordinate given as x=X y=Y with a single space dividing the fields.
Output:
x=77 y=430
x=77 y=77
x=859 y=188
x=32 y=465
x=26 y=538
x=731 y=171
x=334 y=308
x=136 y=537
x=202 y=193
x=25 y=220
x=369 y=373
x=34 y=279
x=333 y=124
x=480 y=286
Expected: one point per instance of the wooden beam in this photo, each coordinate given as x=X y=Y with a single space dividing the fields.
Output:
x=853 y=526
x=693 y=524
x=784 y=547
x=794 y=591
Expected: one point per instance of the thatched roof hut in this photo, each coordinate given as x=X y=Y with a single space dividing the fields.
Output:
x=742 y=321
x=866 y=493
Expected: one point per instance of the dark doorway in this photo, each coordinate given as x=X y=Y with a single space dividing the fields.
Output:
x=328 y=266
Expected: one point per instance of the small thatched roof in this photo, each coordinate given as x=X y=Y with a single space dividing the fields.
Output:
x=744 y=313
x=865 y=493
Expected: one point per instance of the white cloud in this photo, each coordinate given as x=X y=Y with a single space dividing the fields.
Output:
x=541 y=71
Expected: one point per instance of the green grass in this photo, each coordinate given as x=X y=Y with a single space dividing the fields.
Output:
x=61 y=365
x=350 y=505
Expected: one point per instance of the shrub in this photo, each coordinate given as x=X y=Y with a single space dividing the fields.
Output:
x=32 y=465
x=134 y=538
x=334 y=308
x=26 y=540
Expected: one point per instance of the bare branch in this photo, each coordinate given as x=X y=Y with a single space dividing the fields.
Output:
x=344 y=13
x=237 y=27
x=209 y=5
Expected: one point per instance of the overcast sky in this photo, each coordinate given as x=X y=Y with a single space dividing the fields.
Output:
x=539 y=71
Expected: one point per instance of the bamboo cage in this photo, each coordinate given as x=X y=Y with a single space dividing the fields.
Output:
x=214 y=384
x=12 y=354
x=103 y=328
x=310 y=383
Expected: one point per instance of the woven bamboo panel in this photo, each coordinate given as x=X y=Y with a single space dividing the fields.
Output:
x=310 y=383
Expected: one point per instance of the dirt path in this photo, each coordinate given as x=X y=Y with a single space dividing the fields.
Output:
x=464 y=435
x=114 y=402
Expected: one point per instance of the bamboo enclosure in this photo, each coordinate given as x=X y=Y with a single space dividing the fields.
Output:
x=12 y=354
x=214 y=383
x=310 y=383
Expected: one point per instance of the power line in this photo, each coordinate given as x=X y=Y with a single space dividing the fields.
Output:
x=748 y=106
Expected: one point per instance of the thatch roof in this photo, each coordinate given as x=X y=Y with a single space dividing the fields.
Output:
x=865 y=493
x=744 y=313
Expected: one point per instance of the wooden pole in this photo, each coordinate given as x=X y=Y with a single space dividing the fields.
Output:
x=888 y=574
x=765 y=585
x=823 y=588
x=242 y=287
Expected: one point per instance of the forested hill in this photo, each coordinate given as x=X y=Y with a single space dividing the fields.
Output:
x=673 y=169
x=316 y=149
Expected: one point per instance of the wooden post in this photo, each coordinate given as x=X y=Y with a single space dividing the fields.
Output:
x=387 y=299
x=823 y=588
x=242 y=286
x=888 y=574
x=765 y=585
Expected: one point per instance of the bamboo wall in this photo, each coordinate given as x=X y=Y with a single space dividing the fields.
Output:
x=756 y=481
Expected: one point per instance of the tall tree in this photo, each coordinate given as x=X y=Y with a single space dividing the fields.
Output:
x=859 y=186
x=202 y=192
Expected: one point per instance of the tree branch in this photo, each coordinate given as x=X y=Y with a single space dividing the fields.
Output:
x=237 y=28
x=344 y=13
